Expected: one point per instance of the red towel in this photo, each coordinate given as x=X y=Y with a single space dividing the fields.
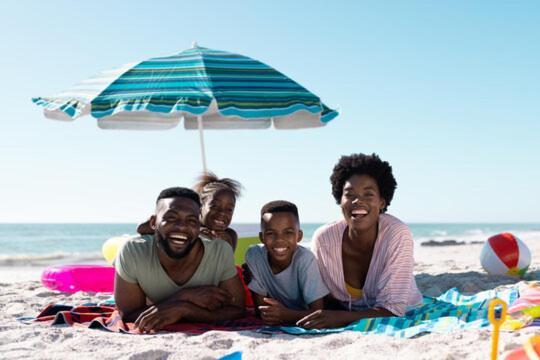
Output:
x=108 y=318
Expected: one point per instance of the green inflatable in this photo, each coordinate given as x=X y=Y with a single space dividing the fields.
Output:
x=241 y=248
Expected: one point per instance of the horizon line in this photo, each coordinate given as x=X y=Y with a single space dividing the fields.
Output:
x=256 y=223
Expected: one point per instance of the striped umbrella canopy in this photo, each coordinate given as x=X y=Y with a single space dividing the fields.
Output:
x=208 y=89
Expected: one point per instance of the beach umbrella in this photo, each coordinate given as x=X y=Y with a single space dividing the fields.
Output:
x=207 y=89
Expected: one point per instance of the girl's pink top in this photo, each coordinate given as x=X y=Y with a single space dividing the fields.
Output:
x=389 y=283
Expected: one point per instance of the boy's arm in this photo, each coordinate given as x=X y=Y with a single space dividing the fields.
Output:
x=257 y=301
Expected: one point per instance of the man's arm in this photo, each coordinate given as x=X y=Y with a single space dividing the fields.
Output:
x=129 y=298
x=173 y=309
x=234 y=309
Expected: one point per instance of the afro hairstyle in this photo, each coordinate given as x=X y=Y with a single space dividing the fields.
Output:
x=362 y=164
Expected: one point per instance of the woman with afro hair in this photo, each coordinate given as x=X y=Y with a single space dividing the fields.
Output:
x=366 y=259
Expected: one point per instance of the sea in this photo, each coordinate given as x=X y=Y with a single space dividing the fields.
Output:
x=50 y=244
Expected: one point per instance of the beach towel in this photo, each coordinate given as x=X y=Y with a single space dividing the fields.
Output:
x=450 y=312
x=104 y=317
x=525 y=311
x=447 y=313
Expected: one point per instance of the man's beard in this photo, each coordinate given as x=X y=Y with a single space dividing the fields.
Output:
x=164 y=244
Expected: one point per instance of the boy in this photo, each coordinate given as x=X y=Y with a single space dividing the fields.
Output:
x=286 y=283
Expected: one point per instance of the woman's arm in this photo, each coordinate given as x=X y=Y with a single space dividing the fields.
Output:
x=338 y=318
x=275 y=313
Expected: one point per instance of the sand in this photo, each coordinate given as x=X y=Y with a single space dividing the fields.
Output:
x=437 y=269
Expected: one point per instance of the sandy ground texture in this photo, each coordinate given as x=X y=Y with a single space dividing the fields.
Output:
x=437 y=269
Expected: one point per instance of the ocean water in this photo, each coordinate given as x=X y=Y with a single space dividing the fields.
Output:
x=44 y=244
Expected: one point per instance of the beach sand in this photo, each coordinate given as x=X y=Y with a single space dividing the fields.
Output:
x=437 y=269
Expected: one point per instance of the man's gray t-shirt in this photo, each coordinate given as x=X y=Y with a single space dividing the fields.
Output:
x=138 y=262
x=296 y=287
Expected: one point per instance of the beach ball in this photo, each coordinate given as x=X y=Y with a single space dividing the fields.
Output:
x=111 y=246
x=505 y=254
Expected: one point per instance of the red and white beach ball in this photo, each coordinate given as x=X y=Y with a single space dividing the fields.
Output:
x=505 y=254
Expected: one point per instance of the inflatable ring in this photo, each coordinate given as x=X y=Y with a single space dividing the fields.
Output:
x=73 y=278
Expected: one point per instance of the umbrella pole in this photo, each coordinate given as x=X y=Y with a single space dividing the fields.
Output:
x=201 y=136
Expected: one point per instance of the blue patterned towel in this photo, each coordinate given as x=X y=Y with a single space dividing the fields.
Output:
x=447 y=313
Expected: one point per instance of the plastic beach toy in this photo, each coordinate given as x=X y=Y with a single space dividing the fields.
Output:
x=73 y=278
x=496 y=321
x=529 y=351
x=505 y=254
x=242 y=246
x=111 y=246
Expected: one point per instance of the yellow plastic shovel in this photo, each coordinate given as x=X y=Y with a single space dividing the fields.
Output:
x=496 y=322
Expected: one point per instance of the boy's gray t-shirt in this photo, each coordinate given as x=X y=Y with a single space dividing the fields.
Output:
x=296 y=287
x=138 y=262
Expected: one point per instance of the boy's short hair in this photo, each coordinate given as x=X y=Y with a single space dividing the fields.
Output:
x=279 y=206
x=179 y=192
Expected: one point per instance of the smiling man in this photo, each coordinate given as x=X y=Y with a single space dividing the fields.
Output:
x=176 y=275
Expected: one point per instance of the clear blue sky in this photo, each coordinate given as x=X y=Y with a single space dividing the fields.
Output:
x=446 y=91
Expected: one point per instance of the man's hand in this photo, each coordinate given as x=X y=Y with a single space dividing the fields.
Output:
x=156 y=317
x=206 y=297
x=274 y=313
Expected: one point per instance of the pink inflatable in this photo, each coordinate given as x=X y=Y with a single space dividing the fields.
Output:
x=73 y=278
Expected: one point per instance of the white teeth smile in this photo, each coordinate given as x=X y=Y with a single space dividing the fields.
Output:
x=178 y=239
x=359 y=212
x=219 y=222
x=280 y=250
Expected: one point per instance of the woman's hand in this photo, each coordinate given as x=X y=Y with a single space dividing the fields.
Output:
x=325 y=319
x=338 y=318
